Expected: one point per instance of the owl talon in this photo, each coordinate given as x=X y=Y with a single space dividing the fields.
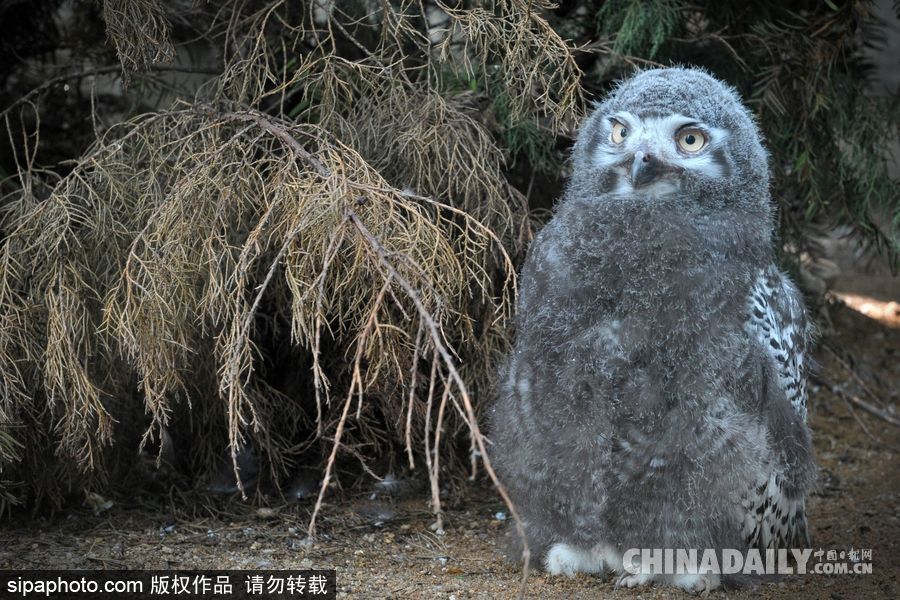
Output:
x=629 y=580
x=697 y=584
x=563 y=559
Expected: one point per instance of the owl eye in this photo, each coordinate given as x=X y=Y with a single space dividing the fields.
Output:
x=691 y=140
x=619 y=133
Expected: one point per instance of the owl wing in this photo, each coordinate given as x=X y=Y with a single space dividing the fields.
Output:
x=777 y=321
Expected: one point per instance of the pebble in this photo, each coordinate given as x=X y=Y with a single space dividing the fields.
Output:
x=296 y=544
x=118 y=550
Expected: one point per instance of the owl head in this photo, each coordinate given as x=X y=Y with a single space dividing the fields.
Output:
x=674 y=135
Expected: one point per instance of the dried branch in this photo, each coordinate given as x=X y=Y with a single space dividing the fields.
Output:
x=436 y=340
x=858 y=402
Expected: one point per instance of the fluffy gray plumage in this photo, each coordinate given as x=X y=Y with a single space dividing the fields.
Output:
x=655 y=396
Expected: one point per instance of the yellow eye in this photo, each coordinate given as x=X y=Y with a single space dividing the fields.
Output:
x=691 y=140
x=619 y=133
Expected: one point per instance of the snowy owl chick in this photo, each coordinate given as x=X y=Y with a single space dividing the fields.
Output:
x=655 y=396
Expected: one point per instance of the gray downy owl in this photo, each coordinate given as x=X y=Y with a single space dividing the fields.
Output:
x=655 y=396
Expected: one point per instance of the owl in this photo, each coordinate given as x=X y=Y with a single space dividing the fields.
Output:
x=655 y=394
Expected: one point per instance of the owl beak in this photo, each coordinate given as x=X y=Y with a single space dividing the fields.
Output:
x=646 y=168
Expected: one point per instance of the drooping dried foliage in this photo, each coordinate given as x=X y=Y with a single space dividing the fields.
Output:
x=139 y=29
x=313 y=258
x=314 y=255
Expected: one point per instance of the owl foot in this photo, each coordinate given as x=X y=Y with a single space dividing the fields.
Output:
x=563 y=559
x=697 y=584
x=628 y=580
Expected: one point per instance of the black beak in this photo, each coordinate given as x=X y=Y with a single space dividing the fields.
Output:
x=646 y=168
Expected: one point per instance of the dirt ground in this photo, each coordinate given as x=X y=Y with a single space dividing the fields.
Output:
x=382 y=545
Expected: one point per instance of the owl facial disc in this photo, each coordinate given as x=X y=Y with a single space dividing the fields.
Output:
x=651 y=154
